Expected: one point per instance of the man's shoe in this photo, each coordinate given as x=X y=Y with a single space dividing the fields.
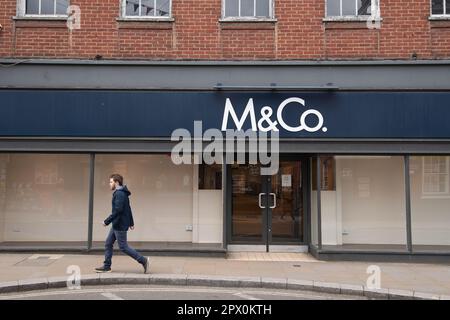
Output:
x=146 y=264
x=102 y=269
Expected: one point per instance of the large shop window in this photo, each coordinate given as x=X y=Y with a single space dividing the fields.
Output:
x=44 y=7
x=248 y=8
x=430 y=202
x=343 y=8
x=440 y=7
x=161 y=197
x=146 y=8
x=44 y=199
x=365 y=207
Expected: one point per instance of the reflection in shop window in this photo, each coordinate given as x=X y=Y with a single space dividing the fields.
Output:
x=210 y=177
x=435 y=177
x=327 y=174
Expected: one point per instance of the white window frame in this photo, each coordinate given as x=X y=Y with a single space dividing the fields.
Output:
x=254 y=17
x=22 y=11
x=439 y=194
x=124 y=12
x=443 y=14
x=375 y=10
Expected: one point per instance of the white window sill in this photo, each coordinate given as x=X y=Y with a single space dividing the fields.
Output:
x=351 y=19
x=439 y=17
x=247 y=19
x=145 y=19
x=41 y=17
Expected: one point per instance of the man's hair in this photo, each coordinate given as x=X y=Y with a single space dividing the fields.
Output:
x=117 y=178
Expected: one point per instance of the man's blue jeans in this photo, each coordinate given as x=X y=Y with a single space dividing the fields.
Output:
x=121 y=237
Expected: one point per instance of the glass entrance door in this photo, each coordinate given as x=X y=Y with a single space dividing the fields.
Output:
x=268 y=209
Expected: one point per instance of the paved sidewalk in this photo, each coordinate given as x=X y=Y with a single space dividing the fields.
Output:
x=282 y=269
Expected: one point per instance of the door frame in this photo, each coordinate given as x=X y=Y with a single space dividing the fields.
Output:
x=306 y=193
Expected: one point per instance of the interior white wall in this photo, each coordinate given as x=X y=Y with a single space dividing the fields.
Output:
x=372 y=200
x=430 y=215
x=207 y=213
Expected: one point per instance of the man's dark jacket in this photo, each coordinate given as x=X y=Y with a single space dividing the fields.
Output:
x=121 y=216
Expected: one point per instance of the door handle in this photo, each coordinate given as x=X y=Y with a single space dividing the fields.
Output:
x=274 y=200
x=260 y=200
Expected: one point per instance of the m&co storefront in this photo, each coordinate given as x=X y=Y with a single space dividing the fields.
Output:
x=364 y=170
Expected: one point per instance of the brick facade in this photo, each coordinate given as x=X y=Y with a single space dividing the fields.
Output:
x=197 y=33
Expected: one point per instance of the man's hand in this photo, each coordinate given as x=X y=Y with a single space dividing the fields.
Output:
x=103 y=223
x=132 y=228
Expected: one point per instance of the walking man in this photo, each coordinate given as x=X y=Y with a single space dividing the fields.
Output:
x=122 y=220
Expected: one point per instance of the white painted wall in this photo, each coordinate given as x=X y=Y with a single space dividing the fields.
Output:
x=331 y=226
x=210 y=216
x=207 y=214
x=372 y=200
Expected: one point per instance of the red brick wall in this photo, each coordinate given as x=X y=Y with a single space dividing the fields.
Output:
x=197 y=33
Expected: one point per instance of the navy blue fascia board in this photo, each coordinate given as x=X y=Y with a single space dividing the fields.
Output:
x=146 y=114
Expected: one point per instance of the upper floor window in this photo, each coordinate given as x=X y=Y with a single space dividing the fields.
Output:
x=248 y=8
x=146 y=8
x=342 y=8
x=44 y=7
x=440 y=7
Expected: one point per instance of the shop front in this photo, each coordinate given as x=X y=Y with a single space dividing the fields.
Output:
x=359 y=174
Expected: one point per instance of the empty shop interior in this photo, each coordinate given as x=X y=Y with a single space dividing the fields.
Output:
x=367 y=203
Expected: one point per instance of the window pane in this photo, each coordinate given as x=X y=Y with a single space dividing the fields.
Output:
x=348 y=7
x=132 y=7
x=437 y=6
x=161 y=197
x=333 y=8
x=430 y=213
x=61 y=6
x=32 y=7
x=364 y=7
x=447 y=6
x=44 y=198
x=47 y=7
x=247 y=8
x=263 y=8
x=163 y=8
x=367 y=210
x=231 y=8
x=147 y=8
